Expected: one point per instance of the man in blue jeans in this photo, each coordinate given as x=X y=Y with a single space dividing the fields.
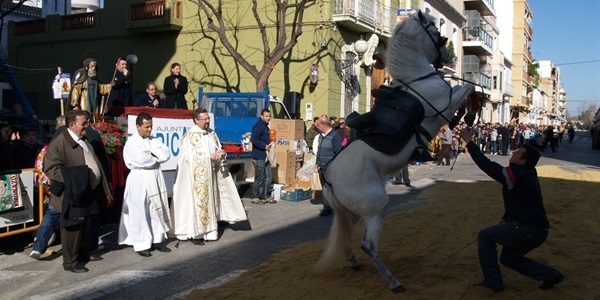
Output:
x=524 y=225
x=261 y=143
x=45 y=230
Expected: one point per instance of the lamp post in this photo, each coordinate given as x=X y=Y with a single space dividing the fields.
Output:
x=132 y=59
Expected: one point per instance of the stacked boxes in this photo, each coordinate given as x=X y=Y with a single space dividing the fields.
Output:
x=288 y=148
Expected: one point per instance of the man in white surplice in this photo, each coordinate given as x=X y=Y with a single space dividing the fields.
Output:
x=145 y=218
x=203 y=193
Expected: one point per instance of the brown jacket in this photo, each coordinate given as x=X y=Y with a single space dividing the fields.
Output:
x=64 y=151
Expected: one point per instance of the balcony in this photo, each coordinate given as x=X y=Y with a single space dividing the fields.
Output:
x=484 y=7
x=156 y=15
x=365 y=16
x=484 y=82
x=507 y=89
x=477 y=41
x=30 y=27
x=78 y=21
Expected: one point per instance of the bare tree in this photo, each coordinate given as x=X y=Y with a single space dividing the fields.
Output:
x=287 y=36
x=587 y=115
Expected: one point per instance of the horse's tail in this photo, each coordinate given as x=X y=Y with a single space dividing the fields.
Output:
x=340 y=234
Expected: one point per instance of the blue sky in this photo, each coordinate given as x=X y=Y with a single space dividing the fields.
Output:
x=568 y=34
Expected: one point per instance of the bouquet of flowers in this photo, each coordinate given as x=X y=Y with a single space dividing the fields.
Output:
x=112 y=135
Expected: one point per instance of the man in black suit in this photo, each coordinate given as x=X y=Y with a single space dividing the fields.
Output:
x=120 y=94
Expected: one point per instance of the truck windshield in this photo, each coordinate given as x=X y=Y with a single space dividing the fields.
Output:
x=277 y=110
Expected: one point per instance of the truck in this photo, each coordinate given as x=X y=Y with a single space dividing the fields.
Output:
x=234 y=115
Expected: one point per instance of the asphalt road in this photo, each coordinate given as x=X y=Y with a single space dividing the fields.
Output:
x=271 y=228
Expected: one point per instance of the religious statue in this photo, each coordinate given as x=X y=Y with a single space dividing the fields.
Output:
x=87 y=90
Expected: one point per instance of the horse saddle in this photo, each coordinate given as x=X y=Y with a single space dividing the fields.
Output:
x=391 y=122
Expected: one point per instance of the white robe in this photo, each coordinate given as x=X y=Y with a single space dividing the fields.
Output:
x=145 y=217
x=202 y=194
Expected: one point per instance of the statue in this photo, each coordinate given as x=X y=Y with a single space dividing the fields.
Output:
x=86 y=89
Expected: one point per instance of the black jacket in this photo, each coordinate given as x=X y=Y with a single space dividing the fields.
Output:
x=78 y=198
x=521 y=190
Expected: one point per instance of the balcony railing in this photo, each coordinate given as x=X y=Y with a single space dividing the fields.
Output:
x=156 y=15
x=368 y=14
x=78 y=21
x=30 y=27
x=482 y=79
x=507 y=89
x=478 y=34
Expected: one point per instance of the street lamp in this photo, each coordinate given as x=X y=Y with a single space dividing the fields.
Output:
x=132 y=59
x=360 y=47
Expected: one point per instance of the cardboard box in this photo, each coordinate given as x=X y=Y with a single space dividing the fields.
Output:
x=296 y=195
x=285 y=172
x=287 y=129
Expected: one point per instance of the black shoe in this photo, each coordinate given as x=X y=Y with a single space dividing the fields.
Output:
x=495 y=289
x=144 y=253
x=77 y=268
x=199 y=242
x=396 y=182
x=161 y=248
x=546 y=285
x=95 y=258
x=408 y=185
x=325 y=212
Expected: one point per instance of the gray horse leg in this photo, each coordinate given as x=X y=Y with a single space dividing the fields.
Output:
x=370 y=245
x=354 y=264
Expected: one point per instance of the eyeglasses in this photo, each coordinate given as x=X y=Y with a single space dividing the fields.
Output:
x=204 y=119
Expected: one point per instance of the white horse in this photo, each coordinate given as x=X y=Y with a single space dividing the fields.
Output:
x=356 y=178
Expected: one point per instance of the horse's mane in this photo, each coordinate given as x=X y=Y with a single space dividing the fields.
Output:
x=403 y=39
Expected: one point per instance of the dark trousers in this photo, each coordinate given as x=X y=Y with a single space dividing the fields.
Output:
x=322 y=172
x=517 y=240
x=444 y=154
x=263 y=175
x=75 y=243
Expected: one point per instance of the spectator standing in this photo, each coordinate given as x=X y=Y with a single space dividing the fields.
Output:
x=261 y=144
x=446 y=146
x=571 y=134
x=504 y=140
x=26 y=149
x=524 y=225
x=330 y=144
x=176 y=86
x=402 y=177
x=121 y=92
x=204 y=192
x=145 y=217
x=311 y=133
x=77 y=181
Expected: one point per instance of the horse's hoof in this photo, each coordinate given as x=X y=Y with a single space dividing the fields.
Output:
x=399 y=289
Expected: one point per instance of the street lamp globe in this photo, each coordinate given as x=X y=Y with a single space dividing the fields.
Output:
x=131 y=58
x=360 y=47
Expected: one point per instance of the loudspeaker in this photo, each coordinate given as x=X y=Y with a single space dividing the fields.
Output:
x=292 y=103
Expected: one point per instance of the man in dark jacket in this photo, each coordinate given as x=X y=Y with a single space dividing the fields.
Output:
x=261 y=144
x=121 y=92
x=524 y=225
x=503 y=130
x=67 y=154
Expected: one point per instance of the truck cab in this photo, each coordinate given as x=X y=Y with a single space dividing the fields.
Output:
x=233 y=116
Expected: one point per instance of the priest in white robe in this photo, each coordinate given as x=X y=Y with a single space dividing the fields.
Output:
x=204 y=193
x=145 y=218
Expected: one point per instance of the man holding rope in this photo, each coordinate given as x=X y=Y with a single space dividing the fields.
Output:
x=524 y=225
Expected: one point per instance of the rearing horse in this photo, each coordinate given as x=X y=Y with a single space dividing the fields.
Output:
x=405 y=115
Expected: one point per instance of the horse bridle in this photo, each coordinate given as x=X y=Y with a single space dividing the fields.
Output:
x=439 y=43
